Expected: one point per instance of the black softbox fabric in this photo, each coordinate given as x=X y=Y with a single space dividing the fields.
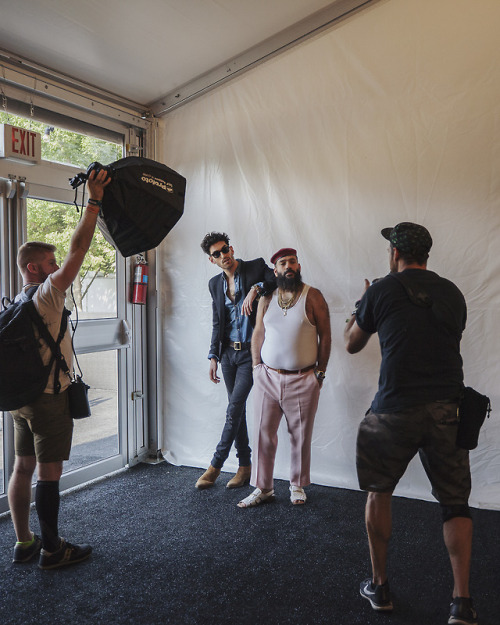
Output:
x=143 y=202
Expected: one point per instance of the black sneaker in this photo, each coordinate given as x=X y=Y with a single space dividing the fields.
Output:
x=378 y=596
x=462 y=612
x=24 y=554
x=66 y=554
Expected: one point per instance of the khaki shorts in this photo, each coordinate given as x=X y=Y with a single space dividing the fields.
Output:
x=44 y=428
x=387 y=442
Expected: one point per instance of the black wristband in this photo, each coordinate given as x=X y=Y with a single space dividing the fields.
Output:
x=95 y=202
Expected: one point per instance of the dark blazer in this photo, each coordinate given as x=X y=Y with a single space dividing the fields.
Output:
x=251 y=272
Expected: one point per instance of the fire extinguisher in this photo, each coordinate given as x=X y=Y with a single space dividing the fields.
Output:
x=140 y=280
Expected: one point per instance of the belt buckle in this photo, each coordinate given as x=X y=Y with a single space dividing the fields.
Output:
x=237 y=346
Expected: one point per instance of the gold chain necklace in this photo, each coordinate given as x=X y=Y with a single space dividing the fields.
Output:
x=285 y=305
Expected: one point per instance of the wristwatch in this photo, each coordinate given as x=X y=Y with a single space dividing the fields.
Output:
x=320 y=375
x=257 y=290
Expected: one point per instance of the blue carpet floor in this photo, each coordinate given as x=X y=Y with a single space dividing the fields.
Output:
x=165 y=553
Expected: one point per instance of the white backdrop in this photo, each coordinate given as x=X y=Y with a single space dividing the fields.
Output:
x=393 y=115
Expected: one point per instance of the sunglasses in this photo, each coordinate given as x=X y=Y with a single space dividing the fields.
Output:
x=223 y=250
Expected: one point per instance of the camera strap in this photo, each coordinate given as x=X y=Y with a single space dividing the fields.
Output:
x=421 y=298
x=75 y=201
x=415 y=292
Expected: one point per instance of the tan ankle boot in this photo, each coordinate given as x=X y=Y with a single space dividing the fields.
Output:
x=241 y=478
x=208 y=478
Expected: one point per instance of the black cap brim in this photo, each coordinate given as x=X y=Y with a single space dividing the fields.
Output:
x=386 y=233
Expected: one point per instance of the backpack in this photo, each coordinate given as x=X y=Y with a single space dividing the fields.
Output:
x=23 y=376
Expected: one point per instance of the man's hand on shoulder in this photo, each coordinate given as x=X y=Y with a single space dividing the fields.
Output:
x=246 y=308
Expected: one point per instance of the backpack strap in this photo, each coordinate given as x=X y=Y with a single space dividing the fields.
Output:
x=55 y=346
x=6 y=302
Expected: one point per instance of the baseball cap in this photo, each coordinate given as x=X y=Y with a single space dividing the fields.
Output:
x=284 y=251
x=408 y=237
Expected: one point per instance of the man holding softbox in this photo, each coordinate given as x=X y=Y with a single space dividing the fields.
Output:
x=143 y=202
x=43 y=428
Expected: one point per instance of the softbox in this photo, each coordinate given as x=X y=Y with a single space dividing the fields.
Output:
x=142 y=203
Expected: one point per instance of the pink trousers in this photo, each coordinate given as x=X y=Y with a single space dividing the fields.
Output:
x=276 y=394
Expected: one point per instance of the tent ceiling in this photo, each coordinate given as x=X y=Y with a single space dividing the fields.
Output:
x=147 y=50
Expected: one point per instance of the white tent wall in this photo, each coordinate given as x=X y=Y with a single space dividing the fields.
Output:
x=392 y=115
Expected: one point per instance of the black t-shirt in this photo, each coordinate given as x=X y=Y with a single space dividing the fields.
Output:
x=420 y=347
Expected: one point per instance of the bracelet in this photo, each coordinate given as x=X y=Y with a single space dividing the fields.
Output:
x=92 y=209
x=95 y=202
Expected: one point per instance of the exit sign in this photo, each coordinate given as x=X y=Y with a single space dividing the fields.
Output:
x=19 y=144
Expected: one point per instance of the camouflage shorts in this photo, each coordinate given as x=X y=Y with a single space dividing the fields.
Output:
x=387 y=442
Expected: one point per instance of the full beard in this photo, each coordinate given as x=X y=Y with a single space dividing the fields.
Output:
x=289 y=283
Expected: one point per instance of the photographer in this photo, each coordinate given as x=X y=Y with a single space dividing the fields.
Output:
x=43 y=429
x=415 y=408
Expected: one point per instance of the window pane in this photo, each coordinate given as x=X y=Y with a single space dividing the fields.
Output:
x=96 y=437
x=65 y=146
x=94 y=289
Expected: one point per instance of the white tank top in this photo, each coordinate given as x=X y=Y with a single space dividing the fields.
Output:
x=291 y=340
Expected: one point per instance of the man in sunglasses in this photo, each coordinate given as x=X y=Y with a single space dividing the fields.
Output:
x=233 y=293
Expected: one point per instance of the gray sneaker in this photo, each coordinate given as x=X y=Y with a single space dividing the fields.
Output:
x=24 y=554
x=378 y=596
x=66 y=554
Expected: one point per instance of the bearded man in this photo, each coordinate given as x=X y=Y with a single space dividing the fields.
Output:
x=290 y=350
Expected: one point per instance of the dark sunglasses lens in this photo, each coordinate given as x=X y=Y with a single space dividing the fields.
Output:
x=223 y=250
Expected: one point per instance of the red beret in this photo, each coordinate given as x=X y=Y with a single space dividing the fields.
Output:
x=284 y=251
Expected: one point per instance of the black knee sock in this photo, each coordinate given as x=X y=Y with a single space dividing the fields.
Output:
x=47 y=508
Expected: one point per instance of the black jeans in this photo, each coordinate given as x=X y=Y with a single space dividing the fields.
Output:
x=237 y=371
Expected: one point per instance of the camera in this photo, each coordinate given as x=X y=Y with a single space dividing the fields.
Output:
x=81 y=177
x=97 y=168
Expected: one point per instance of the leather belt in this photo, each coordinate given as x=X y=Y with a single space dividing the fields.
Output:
x=287 y=371
x=237 y=345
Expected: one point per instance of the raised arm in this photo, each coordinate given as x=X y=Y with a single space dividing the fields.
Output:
x=354 y=337
x=83 y=234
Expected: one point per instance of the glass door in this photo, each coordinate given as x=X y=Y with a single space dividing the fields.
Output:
x=93 y=297
x=36 y=203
